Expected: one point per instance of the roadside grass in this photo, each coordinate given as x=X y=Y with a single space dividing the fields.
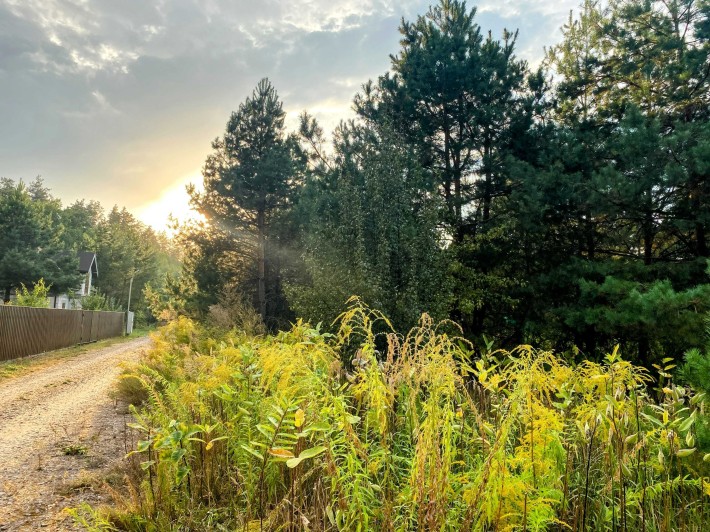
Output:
x=361 y=430
x=32 y=363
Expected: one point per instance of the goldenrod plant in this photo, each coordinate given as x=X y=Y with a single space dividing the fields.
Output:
x=37 y=297
x=368 y=429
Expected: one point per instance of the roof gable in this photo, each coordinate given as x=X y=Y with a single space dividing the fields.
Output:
x=87 y=261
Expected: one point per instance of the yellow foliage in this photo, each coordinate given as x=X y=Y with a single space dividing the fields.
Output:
x=373 y=430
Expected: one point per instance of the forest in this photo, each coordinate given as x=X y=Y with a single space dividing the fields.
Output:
x=565 y=207
x=40 y=238
x=481 y=304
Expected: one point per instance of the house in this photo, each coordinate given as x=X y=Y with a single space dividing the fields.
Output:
x=88 y=267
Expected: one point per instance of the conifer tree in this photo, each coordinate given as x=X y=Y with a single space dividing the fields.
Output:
x=248 y=181
x=30 y=240
x=452 y=94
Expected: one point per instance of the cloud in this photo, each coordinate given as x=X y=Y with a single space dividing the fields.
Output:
x=116 y=100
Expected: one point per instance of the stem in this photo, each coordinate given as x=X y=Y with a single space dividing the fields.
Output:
x=263 y=468
x=586 y=477
x=638 y=465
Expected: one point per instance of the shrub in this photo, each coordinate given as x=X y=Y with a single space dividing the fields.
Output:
x=413 y=433
x=233 y=311
x=37 y=297
x=98 y=301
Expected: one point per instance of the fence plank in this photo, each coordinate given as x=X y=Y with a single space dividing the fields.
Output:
x=27 y=331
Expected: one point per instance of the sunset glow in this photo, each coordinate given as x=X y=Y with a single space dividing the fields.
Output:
x=172 y=204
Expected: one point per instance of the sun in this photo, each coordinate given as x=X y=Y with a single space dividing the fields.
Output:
x=173 y=203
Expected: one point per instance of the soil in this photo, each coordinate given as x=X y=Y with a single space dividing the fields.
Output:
x=62 y=438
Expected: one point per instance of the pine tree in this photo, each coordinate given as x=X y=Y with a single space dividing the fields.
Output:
x=248 y=181
x=452 y=94
x=30 y=240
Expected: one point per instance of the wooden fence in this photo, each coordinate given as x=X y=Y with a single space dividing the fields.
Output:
x=27 y=331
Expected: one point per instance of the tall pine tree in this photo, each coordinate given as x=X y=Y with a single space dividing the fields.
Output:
x=248 y=182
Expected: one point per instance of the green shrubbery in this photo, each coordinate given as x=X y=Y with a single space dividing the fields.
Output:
x=37 y=297
x=414 y=432
x=97 y=300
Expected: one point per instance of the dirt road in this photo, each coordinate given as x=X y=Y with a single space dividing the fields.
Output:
x=61 y=435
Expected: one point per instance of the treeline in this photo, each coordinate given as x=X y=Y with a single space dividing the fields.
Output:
x=565 y=206
x=40 y=238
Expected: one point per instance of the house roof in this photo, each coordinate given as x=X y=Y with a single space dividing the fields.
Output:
x=87 y=261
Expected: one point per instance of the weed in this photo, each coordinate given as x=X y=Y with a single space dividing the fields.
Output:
x=75 y=450
x=373 y=430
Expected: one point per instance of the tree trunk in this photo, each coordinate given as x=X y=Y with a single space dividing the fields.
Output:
x=648 y=240
x=590 y=341
x=700 y=238
x=488 y=183
x=589 y=229
x=6 y=299
x=697 y=198
x=644 y=346
x=261 y=289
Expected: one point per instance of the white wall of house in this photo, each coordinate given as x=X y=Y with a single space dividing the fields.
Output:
x=87 y=283
x=63 y=301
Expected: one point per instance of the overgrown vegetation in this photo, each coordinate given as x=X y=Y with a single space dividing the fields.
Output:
x=37 y=297
x=97 y=300
x=368 y=429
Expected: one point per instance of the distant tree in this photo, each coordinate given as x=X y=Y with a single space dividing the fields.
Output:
x=249 y=181
x=125 y=248
x=30 y=240
x=81 y=220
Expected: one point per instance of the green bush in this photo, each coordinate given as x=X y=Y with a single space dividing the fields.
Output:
x=98 y=301
x=37 y=297
x=413 y=433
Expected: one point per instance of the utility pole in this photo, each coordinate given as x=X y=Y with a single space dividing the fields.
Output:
x=129 y=320
x=130 y=289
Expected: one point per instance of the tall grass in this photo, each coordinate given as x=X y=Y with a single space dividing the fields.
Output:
x=414 y=432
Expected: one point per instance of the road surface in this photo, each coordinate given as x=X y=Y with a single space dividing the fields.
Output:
x=61 y=437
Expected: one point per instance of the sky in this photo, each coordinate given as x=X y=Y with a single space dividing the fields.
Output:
x=119 y=100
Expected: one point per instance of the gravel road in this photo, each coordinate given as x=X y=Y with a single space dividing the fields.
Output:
x=60 y=435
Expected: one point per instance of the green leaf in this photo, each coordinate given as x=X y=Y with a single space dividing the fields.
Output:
x=687 y=423
x=682 y=453
x=177 y=455
x=308 y=453
x=632 y=439
x=210 y=443
x=652 y=419
x=266 y=431
x=317 y=427
x=330 y=514
x=181 y=473
x=252 y=452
